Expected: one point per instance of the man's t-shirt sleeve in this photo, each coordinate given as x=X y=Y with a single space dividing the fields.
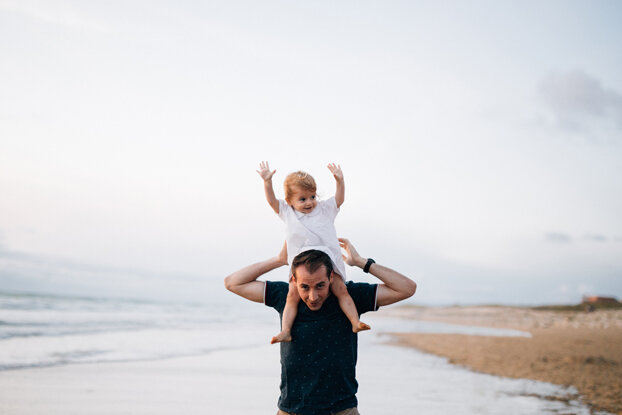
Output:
x=275 y=294
x=364 y=295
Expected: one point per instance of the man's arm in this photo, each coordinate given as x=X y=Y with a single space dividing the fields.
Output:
x=244 y=282
x=266 y=175
x=340 y=191
x=396 y=287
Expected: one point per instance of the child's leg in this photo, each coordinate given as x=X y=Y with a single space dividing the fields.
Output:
x=289 y=315
x=338 y=288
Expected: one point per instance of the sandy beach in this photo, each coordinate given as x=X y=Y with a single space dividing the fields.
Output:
x=567 y=348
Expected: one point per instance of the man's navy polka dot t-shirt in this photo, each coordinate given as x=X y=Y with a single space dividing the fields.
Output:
x=318 y=366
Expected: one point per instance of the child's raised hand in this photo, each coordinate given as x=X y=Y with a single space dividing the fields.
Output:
x=335 y=169
x=264 y=171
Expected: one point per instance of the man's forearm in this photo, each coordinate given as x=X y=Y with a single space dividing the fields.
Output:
x=390 y=277
x=252 y=272
x=244 y=281
x=393 y=279
x=396 y=286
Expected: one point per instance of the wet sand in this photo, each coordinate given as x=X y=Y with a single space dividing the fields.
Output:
x=567 y=348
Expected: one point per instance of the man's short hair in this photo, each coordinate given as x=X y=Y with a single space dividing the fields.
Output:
x=312 y=260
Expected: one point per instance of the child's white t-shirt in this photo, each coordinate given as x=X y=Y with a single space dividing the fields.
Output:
x=315 y=230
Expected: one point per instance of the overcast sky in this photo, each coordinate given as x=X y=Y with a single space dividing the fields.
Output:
x=481 y=142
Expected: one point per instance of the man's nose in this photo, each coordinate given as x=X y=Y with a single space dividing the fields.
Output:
x=313 y=295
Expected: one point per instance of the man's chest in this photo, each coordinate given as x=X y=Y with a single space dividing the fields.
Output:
x=319 y=340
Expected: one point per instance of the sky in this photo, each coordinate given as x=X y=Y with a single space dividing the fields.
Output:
x=481 y=142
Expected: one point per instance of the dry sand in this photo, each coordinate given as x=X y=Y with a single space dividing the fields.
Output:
x=568 y=348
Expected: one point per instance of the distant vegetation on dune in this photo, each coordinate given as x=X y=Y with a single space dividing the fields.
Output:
x=584 y=306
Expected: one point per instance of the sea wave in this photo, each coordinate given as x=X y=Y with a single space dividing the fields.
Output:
x=42 y=331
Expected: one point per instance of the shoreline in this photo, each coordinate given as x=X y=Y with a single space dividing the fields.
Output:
x=566 y=348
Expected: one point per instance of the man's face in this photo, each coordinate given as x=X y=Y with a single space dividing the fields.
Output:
x=313 y=288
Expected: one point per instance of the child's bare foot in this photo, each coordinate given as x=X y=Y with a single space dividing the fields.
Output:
x=360 y=327
x=281 y=337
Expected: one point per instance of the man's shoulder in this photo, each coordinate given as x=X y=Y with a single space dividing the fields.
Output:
x=277 y=286
x=275 y=294
x=352 y=285
x=364 y=295
x=277 y=283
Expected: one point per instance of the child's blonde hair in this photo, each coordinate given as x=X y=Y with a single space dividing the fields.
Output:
x=298 y=179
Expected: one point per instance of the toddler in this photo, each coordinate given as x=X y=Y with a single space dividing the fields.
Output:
x=309 y=224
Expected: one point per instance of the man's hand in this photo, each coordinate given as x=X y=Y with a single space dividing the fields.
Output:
x=335 y=169
x=353 y=258
x=264 y=171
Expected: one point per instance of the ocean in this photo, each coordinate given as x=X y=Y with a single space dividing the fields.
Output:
x=43 y=331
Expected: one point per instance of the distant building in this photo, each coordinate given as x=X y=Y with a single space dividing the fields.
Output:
x=599 y=299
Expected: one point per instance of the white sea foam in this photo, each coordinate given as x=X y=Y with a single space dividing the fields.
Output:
x=46 y=331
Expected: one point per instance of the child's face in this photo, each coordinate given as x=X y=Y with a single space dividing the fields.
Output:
x=303 y=200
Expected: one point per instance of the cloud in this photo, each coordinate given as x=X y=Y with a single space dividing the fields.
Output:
x=577 y=99
x=55 y=12
x=594 y=237
x=558 y=238
x=25 y=272
x=564 y=238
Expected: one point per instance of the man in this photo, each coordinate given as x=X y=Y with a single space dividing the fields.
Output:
x=318 y=366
